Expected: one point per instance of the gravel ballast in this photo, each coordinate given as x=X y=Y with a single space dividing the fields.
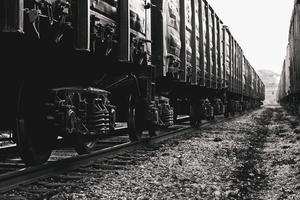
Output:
x=255 y=156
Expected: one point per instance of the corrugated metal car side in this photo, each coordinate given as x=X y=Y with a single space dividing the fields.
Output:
x=296 y=39
x=218 y=54
x=184 y=34
x=199 y=41
x=252 y=82
x=221 y=57
x=12 y=21
x=294 y=50
x=248 y=78
x=292 y=58
x=213 y=49
x=226 y=58
x=166 y=35
x=208 y=46
x=239 y=68
x=244 y=76
x=203 y=41
x=135 y=24
x=232 y=64
x=286 y=71
x=235 y=66
x=282 y=92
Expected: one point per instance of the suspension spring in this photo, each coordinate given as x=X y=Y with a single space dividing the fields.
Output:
x=97 y=118
x=166 y=115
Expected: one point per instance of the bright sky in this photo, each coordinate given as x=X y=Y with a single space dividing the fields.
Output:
x=260 y=27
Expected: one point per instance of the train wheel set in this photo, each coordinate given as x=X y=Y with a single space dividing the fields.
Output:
x=76 y=68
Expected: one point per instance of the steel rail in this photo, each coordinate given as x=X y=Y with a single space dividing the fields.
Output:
x=29 y=175
x=12 y=180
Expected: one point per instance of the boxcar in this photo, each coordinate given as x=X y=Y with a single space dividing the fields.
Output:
x=289 y=86
x=69 y=64
x=76 y=67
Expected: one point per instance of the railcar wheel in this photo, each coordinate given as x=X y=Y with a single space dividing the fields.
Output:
x=35 y=133
x=152 y=128
x=33 y=148
x=83 y=146
x=193 y=116
x=136 y=118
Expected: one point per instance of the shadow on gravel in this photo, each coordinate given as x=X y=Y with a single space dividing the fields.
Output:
x=249 y=178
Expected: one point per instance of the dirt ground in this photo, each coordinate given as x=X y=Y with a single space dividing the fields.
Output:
x=256 y=156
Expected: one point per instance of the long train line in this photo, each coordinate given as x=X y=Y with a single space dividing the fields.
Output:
x=27 y=175
x=139 y=61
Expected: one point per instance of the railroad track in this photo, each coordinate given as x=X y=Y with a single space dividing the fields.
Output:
x=9 y=153
x=110 y=148
x=10 y=160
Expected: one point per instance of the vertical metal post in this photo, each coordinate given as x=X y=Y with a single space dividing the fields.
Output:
x=214 y=53
x=241 y=71
x=83 y=29
x=148 y=28
x=233 y=65
x=201 y=42
x=219 y=58
x=208 y=38
x=297 y=43
x=236 y=65
x=242 y=76
x=151 y=68
x=224 y=57
x=230 y=61
x=183 y=73
x=159 y=29
x=124 y=30
x=11 y=15
x=194 y=40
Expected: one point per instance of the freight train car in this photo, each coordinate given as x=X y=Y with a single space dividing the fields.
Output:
x=284 y=82
x=199 y=63
x=289 y=85
x=75 y=67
